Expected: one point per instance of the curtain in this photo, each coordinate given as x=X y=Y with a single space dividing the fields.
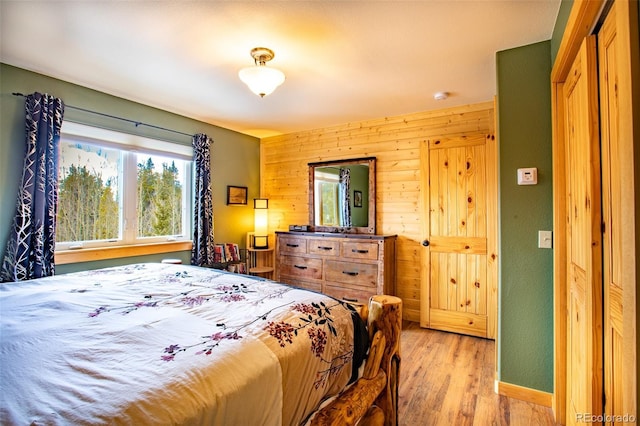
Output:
x=345 y=199
x=31 y=245
x=203 y=245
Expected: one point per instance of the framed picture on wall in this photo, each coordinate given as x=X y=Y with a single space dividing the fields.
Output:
x=236 y=195
x=357 y=198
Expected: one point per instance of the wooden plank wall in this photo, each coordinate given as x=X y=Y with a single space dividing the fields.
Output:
x=395 y=142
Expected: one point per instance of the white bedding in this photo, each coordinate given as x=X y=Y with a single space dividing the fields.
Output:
x=168 y=344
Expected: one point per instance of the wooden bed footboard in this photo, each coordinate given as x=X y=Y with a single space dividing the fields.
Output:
x=373 y=398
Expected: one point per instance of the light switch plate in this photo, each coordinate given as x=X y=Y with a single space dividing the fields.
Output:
x=545 y=239
x=528 y=176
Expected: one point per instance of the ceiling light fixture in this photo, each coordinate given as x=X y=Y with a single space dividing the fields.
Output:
x=261 y=80
x=440 y=96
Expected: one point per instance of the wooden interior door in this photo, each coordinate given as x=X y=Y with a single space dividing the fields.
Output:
x=460 y=194
x=584 y=273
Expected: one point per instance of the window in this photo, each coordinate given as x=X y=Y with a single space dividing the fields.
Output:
x=119 y=189
x=327 y=185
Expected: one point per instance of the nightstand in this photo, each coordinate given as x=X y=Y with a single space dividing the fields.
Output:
x=261 y=261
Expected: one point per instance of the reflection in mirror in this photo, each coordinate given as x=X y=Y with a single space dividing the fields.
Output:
x=340 y=195
x=341 y=202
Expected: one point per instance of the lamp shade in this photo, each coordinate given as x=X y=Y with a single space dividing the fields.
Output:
x=261 y=225
x=261 y=80
x=261 y=222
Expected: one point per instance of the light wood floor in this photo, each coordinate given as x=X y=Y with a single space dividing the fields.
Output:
x=448 y=379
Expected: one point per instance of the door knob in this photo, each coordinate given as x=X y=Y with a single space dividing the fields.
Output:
x=425 y=243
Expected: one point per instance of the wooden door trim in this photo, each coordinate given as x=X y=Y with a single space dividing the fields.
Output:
x=583 y=17
x=492 y=231
x=559 y=255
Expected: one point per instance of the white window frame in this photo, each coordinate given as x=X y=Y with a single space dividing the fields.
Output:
x=131 y=145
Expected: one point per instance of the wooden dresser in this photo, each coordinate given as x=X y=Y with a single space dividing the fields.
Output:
x=351 y=267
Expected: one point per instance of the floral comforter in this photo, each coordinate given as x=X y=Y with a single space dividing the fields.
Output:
x=168 y=344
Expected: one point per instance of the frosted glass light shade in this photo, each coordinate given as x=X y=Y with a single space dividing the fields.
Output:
x=260 y=229
x=261 y=80
x=261 y=222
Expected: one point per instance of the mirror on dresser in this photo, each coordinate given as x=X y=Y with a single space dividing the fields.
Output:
x=342 y=196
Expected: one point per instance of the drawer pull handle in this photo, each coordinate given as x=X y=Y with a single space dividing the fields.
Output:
x=349 y=299
x=300 y=266
x=325 y=248
x=292 y=245
x=360 y=251
x=353 y=274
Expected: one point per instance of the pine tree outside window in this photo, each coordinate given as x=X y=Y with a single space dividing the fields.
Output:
x=118 y=189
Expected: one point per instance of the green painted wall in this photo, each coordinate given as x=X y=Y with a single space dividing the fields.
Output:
x=235 y=156
x=526 y=271
x=558 y=30
x=360 y=182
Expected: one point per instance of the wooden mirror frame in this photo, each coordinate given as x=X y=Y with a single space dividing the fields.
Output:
x=371 y=217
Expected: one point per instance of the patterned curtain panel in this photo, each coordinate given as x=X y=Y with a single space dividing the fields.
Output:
x=203 y=246
x=345 y=198
x=31 y=245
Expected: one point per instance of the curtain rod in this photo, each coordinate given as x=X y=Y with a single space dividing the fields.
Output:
x=136 y=123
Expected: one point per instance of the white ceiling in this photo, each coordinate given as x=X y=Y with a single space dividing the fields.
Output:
x=344 y=61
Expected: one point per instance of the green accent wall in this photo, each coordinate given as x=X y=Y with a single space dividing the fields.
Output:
x=360 y=182
x=525 y=352
x=558 y=30
x=235 y=156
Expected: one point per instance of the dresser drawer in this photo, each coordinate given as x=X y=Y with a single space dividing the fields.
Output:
x=360 y=250
x=292 y=245
x=361 y=274
x=300 y=267
x=324 y=247
x=308 y=285
x=348 y=294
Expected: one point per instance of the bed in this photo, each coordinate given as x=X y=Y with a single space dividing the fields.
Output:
x=177 y=344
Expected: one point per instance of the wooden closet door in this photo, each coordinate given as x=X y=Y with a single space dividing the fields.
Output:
x=615 y=164
x=584 y=274
x=460 y=293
